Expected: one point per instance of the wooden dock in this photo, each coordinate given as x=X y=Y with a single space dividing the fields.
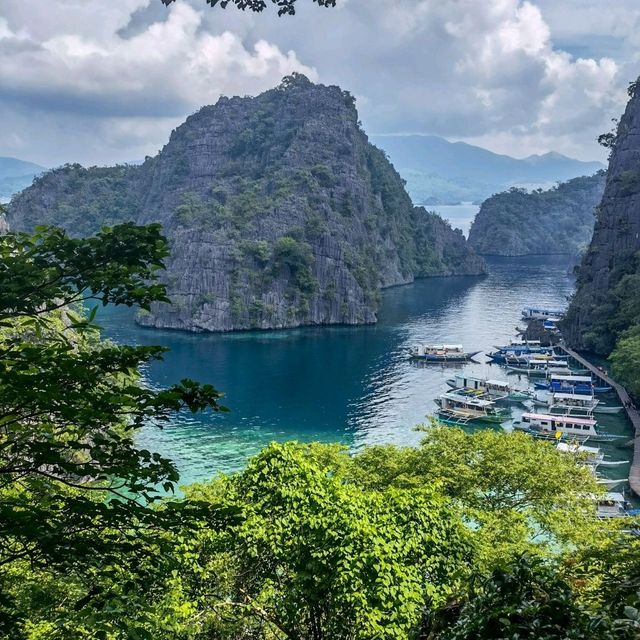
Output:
x=632 y=413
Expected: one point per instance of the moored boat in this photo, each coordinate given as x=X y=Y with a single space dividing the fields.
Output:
x=589 y=456
x=540 y=367
x=502 y=354
x=441 y=353
x=461 y=408
x=572 y=403
x=540 y=313
x=496 y=389
x=571 y=383
x=612 y=505
x=550 y=426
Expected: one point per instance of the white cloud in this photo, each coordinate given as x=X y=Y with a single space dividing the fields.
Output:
x=160 y=74
x=486 y=71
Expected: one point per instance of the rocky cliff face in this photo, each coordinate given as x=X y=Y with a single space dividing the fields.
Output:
x=557 y=221
x=607 y=299
x=278 y=211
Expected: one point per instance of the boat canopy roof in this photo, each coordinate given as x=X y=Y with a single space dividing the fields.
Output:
x=576 y=448
x=498 y=383
x=503 y=384
x=613 y=497
x=557 y=418
x=562 y=378
x=584 y=398
x=555 y=312
x=442 y=347
x=470 y=400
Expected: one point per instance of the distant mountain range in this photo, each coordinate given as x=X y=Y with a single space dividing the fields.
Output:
x=441 y=172
x=15 y=175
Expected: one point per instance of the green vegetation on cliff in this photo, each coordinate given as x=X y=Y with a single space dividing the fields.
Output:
x=557 y=221
x=604 y=315
x=291 y=163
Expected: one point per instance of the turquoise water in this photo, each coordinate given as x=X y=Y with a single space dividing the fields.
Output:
x=353 y=385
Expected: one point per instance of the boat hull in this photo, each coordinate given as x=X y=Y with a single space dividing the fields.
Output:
x=551 y=435
x=463 y=421
x=464 y=357
x=605 y=409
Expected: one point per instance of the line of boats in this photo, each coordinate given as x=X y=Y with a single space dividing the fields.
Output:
x=561 y=402
x=567 y=411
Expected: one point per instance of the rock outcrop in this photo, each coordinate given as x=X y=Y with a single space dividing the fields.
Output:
x=607 y=299
x=278 y=210
x=558 y=221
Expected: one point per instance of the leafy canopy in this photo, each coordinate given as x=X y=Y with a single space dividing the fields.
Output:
x=285 y=7
x=75 y=490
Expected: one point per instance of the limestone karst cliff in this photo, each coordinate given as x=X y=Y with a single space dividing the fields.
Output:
x=278 y=210
x=556 y=221
x=607 y=299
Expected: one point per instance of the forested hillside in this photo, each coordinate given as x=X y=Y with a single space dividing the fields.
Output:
x=558 y=221
x=279 y=212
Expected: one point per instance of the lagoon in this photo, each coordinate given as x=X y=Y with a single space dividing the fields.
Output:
x=352 y=385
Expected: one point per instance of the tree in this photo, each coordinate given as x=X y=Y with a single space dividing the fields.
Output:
x=625 y=359
x=76 y=493
x=317 y=557
x=521 y=494
x=285 y=7
x=527 y=600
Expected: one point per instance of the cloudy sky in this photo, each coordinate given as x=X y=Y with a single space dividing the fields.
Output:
x=98 y=82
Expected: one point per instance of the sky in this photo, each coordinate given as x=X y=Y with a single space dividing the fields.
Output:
x=100 y=82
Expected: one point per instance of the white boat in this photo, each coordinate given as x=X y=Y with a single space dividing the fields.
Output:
x=540 y=313
x=459 y=408
x=549 y=426
x=611 y=505
x=495 y=389
x=540 y=367
x=441 y=353
x=578 y=404
x=601 y=407
x=590 y=456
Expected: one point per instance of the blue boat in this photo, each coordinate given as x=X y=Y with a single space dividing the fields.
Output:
x=572 y=384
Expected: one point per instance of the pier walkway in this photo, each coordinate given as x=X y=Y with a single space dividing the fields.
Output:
x=632 y=413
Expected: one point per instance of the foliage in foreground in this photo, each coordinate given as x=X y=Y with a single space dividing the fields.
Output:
x=285 y=7
x=307 y=542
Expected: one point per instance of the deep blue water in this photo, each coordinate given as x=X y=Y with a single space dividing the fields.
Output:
x=340 y=384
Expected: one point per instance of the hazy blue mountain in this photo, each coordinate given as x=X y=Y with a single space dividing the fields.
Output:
x=439 y=171
x=16 y=175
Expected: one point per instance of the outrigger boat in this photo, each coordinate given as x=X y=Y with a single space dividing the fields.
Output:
x=464 y=408
x=572 y=404
x=441 y=353
x=509 y=353
x=580 y=404
x=592 y=457
x=496 y=389
x=540 y=367
x=540 y=313
x=612 y=505
x=572 y=384
x=550 y=426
